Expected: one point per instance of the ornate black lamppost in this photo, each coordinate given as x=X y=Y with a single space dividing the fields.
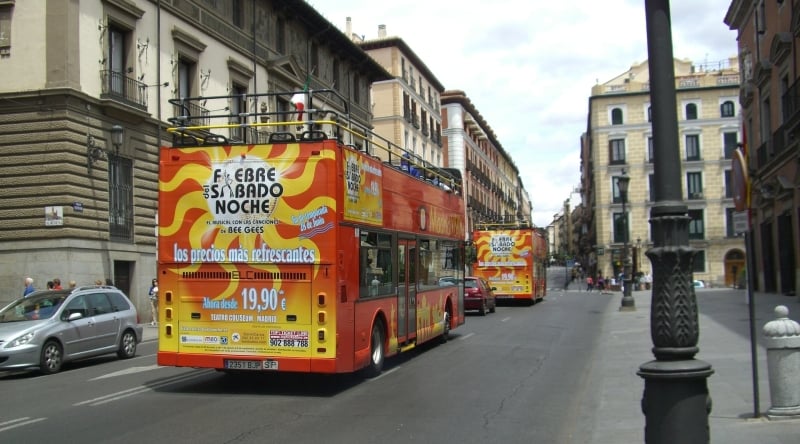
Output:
x=676 y=403
x=628 y=303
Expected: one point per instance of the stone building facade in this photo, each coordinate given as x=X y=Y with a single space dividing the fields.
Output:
x=768 y=36
x=619 y=141
x=81 y=207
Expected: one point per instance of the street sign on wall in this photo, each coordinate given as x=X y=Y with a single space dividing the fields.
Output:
x=741 y=222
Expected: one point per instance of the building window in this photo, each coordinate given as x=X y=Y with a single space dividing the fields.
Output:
x=620 y=228
x=699 y=262
x=694 y=185
x=120 y=198
x=238 y=13
x=616 y=151
x=693 y=147
x=691 y=111
x=337 y=81
x=649 y=114
x=356 y=89
x=280 y=36
x=117 y=60
x=727 y=109
x=186 y=76
x=730 y=141
x=616 y=116
x=652 y=183
x=729 y=232
x=650 y=149
x=314 y=59
x=728 y=184
x=696 y=230
x=6 y=11
x=616 y=195
x=237 y=107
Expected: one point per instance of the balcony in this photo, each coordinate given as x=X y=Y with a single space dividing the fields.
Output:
x=191 y=114
x=116 y=86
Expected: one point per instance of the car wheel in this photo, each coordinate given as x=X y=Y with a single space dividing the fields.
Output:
x=52 y=358
x=446 y=334
x=127 y=345
x=483 y=308
x=494 y=306
x=376 y=354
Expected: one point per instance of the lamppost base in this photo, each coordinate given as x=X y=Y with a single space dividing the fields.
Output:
x=628 y=304
x=676 y=402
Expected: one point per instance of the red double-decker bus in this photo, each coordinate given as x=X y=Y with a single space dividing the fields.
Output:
x=292 y=244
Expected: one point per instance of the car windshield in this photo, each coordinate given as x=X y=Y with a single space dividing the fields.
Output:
x=33 y=307
x=471 y=283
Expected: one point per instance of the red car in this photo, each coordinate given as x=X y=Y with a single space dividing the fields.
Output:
x=478 y=295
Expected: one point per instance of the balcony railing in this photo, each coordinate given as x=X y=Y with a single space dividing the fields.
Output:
x=192 y=114
x=117 y=86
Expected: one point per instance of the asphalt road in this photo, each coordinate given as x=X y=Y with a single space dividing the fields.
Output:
x=519 y=375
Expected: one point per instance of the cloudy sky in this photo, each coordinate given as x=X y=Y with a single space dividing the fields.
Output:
x=529 y=67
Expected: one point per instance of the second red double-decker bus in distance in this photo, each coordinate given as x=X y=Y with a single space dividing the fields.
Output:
x=512 y=259
x=292 y=244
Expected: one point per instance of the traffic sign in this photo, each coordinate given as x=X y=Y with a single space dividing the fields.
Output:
x=740 y=181
x=741 y=222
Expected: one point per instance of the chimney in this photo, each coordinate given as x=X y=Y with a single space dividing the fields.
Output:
x=381 y=31
x=349 y=28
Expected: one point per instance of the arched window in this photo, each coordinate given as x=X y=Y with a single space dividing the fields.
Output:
x=691 y=111
x=727 y=109
x=616 y=116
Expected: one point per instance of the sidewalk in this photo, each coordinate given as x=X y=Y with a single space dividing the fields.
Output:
x=149 y=332
x=724 y=342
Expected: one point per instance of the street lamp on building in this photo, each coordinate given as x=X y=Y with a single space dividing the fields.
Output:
x=117 y=136
x=627 y=300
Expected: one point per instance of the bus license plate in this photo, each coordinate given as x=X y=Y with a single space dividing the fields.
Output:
x=240 y=364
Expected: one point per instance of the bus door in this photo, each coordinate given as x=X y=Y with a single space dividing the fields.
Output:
x=407 y=293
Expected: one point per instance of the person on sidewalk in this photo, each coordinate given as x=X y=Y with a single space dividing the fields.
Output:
x=589 y=284
x=153 y=295
x=28 y=287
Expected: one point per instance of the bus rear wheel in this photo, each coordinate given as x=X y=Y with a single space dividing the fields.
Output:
x=446 y=333
x=376 y=352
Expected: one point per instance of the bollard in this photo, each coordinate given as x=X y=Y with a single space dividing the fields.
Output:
x=783 y=365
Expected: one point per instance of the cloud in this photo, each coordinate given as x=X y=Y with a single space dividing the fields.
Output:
x=529 y=67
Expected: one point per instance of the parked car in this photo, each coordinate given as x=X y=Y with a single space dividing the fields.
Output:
x=699 y=284
x=50 y=327
x=478 y=295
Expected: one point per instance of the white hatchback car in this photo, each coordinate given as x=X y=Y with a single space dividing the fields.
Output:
x=48 y=328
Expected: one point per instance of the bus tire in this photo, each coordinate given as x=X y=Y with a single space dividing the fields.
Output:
x=446 y=333
x=377 y=352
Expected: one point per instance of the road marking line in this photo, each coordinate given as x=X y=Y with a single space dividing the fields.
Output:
x=128 y=371
x=505 y=319
x=19 y=422
x=388 y=372
x=465 y=336
x=140 y=389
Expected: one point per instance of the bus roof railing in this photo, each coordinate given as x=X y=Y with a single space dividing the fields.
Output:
x=267 y=118
x=510 y=225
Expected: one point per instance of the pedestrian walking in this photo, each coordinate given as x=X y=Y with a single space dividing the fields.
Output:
x=28 y=287
x=589 y=284
x=153 y=295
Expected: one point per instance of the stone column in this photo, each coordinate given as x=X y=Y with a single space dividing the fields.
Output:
x=783 y=364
